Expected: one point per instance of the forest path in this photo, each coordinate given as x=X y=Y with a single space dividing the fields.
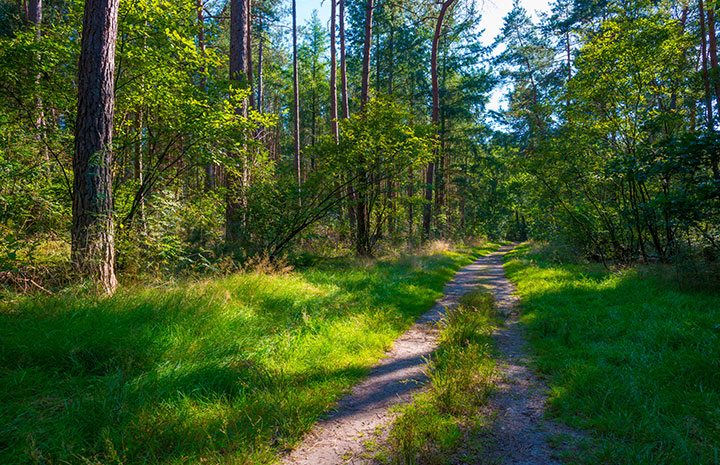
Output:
x=519 y=434
x=392 y=381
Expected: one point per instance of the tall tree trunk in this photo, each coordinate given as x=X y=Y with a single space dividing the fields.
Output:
x=706 y=75
x=430 y=171
x=362 y=237
x=239 y=75
x=333 y=77
x=365 y=87
x=345 y=104
x=296 y=98
x=209 y=166
x=261 y=40
x=706 y=81
x=248 y=44
x=93 y=239
x=343 y=67
x=391 y=54
x=138 y=164
x=712 y=48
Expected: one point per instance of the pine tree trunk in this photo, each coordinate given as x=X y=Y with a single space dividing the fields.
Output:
x=365 y=88
x=239 y=75
x=333 y=77
x=430 y=171
x=93 y=240
x=362 y=237
x=296 y=97
x=343 y=66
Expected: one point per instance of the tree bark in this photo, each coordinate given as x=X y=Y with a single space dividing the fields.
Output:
x=93 y=239
x=239 y=10
x=362 y=237
x=296 y=103
x=333 y=76
x=706 y=76
x=712 y=48
x=365 y=88
x=343 y=67
x=430 y=171
x=261 y=40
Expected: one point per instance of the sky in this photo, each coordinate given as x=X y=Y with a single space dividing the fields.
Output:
x=493 y=12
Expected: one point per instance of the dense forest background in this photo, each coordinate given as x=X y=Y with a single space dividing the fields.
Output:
x=236 y=134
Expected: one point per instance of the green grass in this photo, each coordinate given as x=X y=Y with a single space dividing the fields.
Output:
x=217 y=371
x=630 y=359
x=438 y=426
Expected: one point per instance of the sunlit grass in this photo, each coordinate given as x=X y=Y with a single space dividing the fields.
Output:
x=632 y=360
x=214 y=371
x=441 y=425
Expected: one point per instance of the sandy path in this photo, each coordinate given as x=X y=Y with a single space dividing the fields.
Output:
x=339 y=438
x=520 y=432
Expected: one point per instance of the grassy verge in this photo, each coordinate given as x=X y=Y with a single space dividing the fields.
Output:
x=630 y=359
x=437 y=426
x=217 y=371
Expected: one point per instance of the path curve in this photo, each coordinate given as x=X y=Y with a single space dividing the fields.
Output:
x=392 y=381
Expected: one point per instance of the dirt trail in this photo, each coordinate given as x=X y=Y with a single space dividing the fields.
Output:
x=340 y=437
x=520 y=434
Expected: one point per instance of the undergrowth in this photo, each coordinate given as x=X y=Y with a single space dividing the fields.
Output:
x=631 y=359
x=437 y=426
x=230 y=370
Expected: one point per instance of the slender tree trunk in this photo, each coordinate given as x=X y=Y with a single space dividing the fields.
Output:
x=209 y=166
x=365 y=88
x=712 y=48
x=261 y=40
x=93 y=239
x=138 y=164
x=343 y=67
x=362 y=217
x=430 y=171
x=333 y=77
x=248 y=44
x=345 y=104
x=296 y=98
x=715 y=76
x=706 y=81
x=239 y=76
x=391 y=55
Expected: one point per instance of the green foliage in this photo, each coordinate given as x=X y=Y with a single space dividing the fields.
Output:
x=630 y=359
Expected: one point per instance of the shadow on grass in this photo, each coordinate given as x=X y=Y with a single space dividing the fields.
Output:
x=633 y=361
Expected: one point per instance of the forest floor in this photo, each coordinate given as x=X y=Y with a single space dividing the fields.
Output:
x=517 y=431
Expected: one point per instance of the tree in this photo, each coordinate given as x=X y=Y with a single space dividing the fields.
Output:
x=239 y=11
x=333 y=76
x=93 y=243
x=430 y=171
x=296 y=103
